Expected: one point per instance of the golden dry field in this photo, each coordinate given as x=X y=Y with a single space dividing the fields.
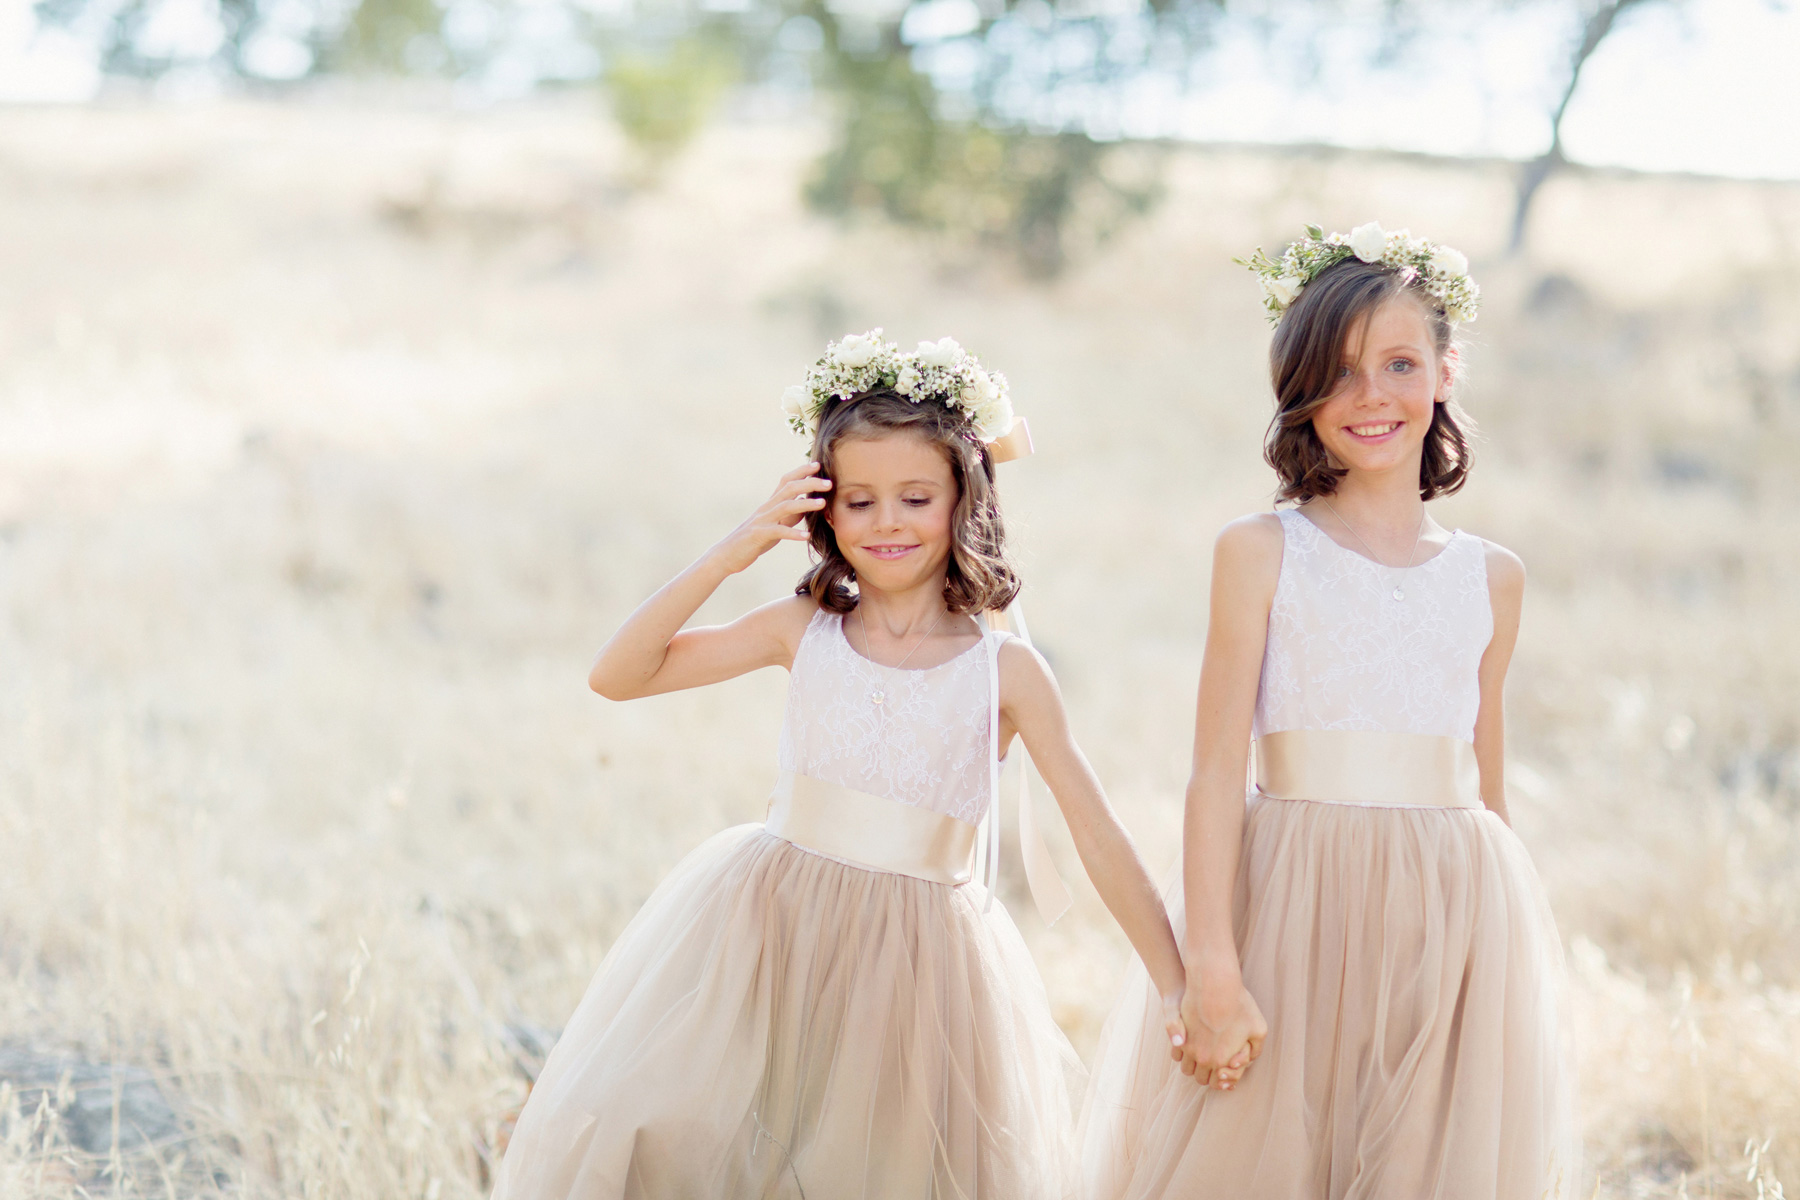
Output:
x=335 y=435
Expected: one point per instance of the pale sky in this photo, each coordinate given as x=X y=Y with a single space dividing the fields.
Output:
x=1709 y=86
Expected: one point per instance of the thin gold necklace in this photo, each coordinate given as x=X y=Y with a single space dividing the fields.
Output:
x=879 y=695
x=1399 y=592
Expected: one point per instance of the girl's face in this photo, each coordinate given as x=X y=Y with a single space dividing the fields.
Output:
x=1391 y=378
x=892 y=502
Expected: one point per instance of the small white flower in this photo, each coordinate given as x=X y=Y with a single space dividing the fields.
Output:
x=986 y=390
x=1449 y=262
x=856 y=350
x=793 y=401
x=1368 y=242
x=941 y=353
x=1283 y=288
x=968 y=395
x=907 y=380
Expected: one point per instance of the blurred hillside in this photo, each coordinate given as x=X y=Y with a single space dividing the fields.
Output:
x=334 y=437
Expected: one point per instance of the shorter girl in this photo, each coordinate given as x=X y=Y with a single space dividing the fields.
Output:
x=825 y=1005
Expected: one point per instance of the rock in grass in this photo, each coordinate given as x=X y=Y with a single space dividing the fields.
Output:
x=96 y=1089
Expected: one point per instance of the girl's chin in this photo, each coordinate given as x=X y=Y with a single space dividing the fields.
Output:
x=1375 y=456
x=893 y=575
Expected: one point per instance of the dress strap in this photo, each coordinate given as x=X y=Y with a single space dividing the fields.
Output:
x=1048 y=890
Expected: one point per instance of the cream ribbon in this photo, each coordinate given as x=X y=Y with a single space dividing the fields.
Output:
x=870 y=831
x=1015 y=443
x=1374 y=770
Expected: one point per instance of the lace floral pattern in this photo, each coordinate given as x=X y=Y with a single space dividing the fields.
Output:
x=926 y=744
x=1342 y=653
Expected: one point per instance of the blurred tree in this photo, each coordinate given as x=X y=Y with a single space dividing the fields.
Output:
x=1602 y=19
x=661 y=98
x=399 y=36
x=1030 y=192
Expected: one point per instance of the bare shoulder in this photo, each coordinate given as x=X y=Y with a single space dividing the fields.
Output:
x=1021 y=659
x=1247 y=555
x=783 y=621
x=1024 y=673
x=1255 y=537
x=1505 y=571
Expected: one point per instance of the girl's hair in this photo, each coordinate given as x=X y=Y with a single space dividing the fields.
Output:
x=1303 y=365
x=981 y=577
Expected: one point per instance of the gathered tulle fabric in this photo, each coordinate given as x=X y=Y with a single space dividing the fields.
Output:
x=775 y=1023
x=1411 y=975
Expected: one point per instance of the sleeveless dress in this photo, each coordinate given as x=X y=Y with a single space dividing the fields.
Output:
x=788 y=1017
x=1390 y=927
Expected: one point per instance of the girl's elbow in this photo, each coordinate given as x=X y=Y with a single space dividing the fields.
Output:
x=610 y=688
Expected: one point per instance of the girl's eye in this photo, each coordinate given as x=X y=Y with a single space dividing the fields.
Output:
x=1343 y=372
x=858 y=504
x=918 y=501
x=1401 y=364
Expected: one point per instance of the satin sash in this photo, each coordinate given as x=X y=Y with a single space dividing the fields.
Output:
x=1375 y=770
x=870 y=831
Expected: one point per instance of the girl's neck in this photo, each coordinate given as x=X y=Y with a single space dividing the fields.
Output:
x=1388 y=502
x=903 y=614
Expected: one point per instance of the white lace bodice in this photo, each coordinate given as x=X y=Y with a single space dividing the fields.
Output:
x=925 y=744
x=1342 y=653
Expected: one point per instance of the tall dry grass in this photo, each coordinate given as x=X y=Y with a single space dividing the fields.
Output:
x=333 y=439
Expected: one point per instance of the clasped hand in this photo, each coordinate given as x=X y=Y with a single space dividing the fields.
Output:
x=1215 y=1039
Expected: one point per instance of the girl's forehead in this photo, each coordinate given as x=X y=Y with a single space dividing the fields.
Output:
x=897 y=456
x=1397 y=321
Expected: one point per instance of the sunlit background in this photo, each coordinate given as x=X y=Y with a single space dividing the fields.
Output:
x=363 y=364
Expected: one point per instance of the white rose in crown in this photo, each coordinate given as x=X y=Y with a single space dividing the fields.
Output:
x=941 y=353
x=994 y=419
x=1368 y=242
x=856 y=350
x=1282 y=289
x=793 y=401
x=907 y=380
x=1449 y=262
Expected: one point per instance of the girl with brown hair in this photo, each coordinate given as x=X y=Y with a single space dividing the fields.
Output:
x=1373 y=972
x=827 y=1004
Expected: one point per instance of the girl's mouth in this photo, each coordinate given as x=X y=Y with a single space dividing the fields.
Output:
x=889 y=552
x=1374 y=431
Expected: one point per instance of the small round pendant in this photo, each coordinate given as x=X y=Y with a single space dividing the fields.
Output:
x=1399 y=595
x=877 y=697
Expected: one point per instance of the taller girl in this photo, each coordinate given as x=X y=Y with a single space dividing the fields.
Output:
x=1368 y=911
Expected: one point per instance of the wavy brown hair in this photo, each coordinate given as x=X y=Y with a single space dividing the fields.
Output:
x=1303 y=366
x=981 y=577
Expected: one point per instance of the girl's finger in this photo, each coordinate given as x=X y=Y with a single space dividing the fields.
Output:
x=805 y=468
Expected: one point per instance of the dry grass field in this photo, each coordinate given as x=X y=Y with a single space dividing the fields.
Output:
x=335 y=437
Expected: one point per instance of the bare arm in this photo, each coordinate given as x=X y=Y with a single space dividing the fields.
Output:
x=651 y=653
x=1226 y=1029
x=1506 y=593
x=1032 y=704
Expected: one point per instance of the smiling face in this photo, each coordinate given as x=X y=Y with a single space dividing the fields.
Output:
x=1391 y=378
x=893 y=507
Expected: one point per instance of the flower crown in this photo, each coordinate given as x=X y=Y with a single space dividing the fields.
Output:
x=1443 y=273
x=940 y=372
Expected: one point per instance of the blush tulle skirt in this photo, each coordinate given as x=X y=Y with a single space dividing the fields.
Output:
x=774 y=1023
x=1411 y=976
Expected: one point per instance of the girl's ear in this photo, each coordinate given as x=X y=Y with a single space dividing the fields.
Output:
x=1448 y=369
